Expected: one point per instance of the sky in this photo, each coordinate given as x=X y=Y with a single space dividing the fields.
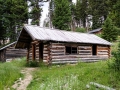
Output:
x=74 y=1
x=44 y=12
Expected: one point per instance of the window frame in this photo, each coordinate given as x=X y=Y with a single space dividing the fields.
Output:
x=72 y=49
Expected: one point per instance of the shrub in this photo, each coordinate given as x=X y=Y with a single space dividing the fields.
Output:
x=83 y=30
x=116 y=59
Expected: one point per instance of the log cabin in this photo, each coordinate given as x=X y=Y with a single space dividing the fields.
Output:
x=60 y=46
x=9 y=52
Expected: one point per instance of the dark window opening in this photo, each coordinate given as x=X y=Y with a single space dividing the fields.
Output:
x=94 y=50
x=71 y=50
x=41 y=51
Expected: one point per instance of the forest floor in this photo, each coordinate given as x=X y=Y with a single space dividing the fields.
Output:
x=22 y=84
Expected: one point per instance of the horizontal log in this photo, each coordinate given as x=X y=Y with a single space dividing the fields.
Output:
x=45 y=58
x=58 y=47
x=63 y=62
x=37 y=50
x=102 y=53
x=45 y=49
x=85 y=53
x=84 y=46
x=14 y=55
x=102 y=46
x=66 y=59
x=16 y=52
x=57 y=53
x=103 y=56
x=57 y=43
x=45 y=52
x=62 y=50
x=65 y=56
x=102 y=50
x=86 y=50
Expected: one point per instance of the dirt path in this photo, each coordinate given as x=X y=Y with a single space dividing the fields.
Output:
x=22 y=84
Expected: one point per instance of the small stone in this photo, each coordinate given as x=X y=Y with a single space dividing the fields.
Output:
x=87 y=86
x=20 y=79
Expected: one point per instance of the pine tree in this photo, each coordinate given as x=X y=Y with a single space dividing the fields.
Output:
x=116 y=12
x=77 y=12
x=62 y=15
x=109 y=30
x=13 y=14
x=99 y=11
x=35 y=13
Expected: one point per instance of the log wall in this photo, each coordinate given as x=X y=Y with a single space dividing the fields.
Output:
x=2 y=55
x=103 y=51
x=33 y=51
x=45 y=53
x=84 y=53
x=85 y=50
x=56 y=52
x=11 y=52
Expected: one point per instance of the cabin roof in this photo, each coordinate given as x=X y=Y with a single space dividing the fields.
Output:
x=46 y=34
x=95 y=30
x=8 y=45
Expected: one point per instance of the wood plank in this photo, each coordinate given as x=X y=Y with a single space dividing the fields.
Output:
x=85 y=50
x=62 y=50
x=57 y=53
x=58 y=46
x=45 y=54
x=45 y=51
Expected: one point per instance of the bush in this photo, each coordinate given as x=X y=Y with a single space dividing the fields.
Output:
x=83 y=30
x=35 y=64
x=116 y=59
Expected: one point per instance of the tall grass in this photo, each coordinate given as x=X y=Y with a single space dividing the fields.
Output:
x=9 y=72
x=74 y=77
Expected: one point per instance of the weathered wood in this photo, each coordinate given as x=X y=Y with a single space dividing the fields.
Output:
x=28 y=54
x=58 y=53
x=49 y=55
x=109 y=52
x=97 y=85
x=33 y=51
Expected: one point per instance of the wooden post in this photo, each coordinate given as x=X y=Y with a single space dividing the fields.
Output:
x=49 y=55
x=27 y=54
x=96 y=50
x=109 y=52
x=33 y=52
x=4 y=55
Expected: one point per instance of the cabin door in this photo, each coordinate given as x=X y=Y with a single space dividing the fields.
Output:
x=94 y=49
x=41 y=51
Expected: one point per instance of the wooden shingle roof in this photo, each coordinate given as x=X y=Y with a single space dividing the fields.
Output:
x=95 y=30
x=8 y=45
x=46 y=34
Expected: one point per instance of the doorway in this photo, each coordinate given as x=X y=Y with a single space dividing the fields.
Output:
x=41 y=51
x=94 y=49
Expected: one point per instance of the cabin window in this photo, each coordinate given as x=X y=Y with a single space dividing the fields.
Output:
x=71 y=50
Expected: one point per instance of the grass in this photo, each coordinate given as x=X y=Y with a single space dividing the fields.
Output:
x=62 y=77
x=9 y=72
x=74 y=77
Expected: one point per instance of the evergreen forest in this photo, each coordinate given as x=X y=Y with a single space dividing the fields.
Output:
x=82 y=16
